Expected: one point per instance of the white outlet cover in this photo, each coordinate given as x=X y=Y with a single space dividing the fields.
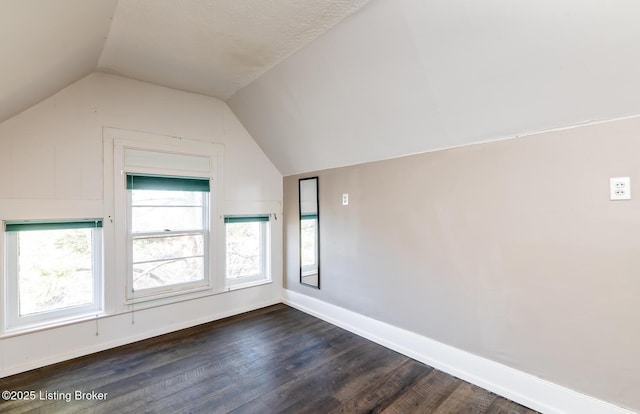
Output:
x=345 y=199
x=620 y=188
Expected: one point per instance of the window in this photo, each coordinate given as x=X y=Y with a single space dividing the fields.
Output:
x=247 y=249
x=168 y=237
x=54 y=271
x=164 y=197
x=309 y=244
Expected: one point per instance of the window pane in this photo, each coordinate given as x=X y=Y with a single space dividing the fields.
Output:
x=169 y=247
x=166 y=210
x=151 y=219
x=308 y=238
x=54 y=270
x=167 y=272
x=243 y=249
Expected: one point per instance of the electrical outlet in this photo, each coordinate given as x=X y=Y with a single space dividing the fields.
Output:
x=620 y=188
x=345 y=199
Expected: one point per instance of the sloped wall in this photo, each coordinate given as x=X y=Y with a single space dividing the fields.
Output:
x=404 y=77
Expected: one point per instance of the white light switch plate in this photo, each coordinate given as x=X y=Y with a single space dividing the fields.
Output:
x=620 y=188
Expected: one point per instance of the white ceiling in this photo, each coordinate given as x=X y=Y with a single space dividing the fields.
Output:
x=47 y=45
x=324 y=83
x=211 y=47
x=403 y=77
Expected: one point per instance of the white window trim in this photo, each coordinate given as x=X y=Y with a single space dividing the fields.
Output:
x=265 y=255
x=115 y=143
x=14 y=322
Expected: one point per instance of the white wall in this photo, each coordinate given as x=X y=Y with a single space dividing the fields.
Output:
x=404 y=77
x=51 y=165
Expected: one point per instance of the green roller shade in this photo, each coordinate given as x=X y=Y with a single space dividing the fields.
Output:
x=159 y=182
x=311 y=216
x=52 y=225
x=246 y=219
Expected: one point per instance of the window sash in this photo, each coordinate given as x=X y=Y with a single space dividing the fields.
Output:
x=167 y=235
x=166 y=183
x=263 y=272
x=15 y=321
x=167 y=260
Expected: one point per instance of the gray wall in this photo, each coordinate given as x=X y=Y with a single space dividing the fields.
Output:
x=510 y=250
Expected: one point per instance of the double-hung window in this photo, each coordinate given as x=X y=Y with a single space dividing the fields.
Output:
x=247 y=251
x=54 y=271
x=168 y=237
x=166 y=224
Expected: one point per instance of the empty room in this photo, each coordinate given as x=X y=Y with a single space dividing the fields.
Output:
x=320 y=206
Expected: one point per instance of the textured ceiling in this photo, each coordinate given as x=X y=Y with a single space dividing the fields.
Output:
x=211 y=47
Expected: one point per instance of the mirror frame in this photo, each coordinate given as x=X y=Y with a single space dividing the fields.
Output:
x=317 y=286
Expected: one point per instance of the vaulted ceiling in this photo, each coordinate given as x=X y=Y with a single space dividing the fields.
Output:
x=211 y=47
x=324 y=83
x=408 y=76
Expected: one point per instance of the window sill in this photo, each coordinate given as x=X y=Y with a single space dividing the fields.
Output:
x=238 y=286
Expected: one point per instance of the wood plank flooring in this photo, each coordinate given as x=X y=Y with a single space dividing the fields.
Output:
x=273 y=360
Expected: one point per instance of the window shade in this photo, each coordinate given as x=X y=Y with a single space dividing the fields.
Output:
x=246 y=219
x=52 y=225
x=157 y=159
x=166 y=183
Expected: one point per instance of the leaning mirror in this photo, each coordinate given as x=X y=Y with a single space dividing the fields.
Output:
x=309 y=232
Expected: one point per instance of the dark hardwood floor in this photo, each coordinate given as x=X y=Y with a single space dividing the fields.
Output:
x=273 y=360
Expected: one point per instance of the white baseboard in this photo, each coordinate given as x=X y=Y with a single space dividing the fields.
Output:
x=518 y=386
